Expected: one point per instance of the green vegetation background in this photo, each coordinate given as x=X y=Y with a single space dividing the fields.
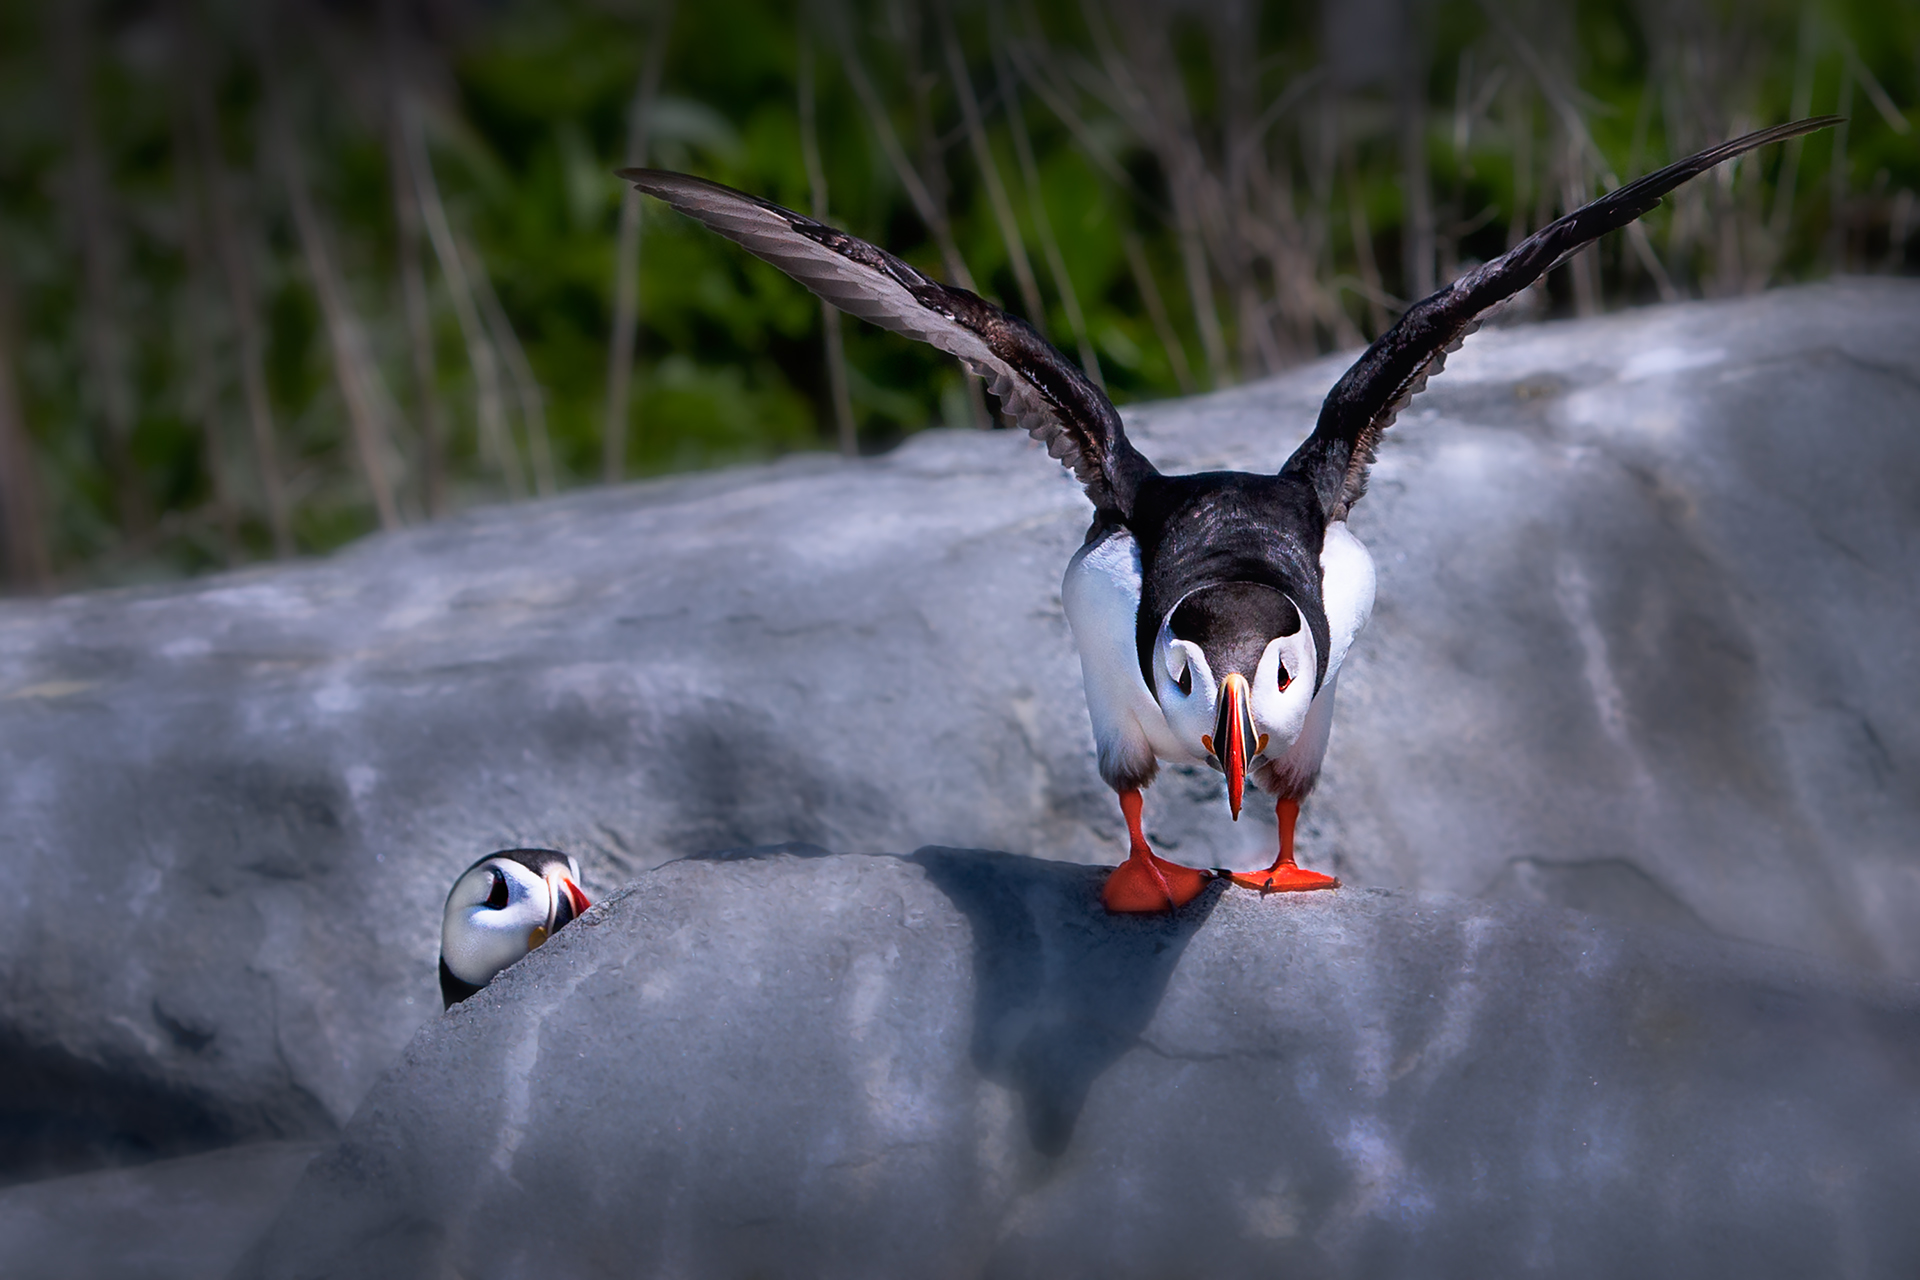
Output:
x=1310 y=133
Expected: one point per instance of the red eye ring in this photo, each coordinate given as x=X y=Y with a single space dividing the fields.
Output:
x=1285 y=679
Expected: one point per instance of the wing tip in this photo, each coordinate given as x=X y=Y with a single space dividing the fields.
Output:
x=673 y=186
x=1812 y=124
x=1734 y=147
x=662 y=184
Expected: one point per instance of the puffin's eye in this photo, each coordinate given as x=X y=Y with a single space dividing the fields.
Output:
x=1184 y=681
x=1285 y=679
x=497 y=894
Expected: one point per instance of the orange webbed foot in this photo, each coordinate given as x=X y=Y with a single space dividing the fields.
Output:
x=1150 y=883
x=1283 y=876
x=1146 y=882
x=1284 y=880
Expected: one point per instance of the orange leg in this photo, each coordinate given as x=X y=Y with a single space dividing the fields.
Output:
x=1283 y=876
x=1145 y=882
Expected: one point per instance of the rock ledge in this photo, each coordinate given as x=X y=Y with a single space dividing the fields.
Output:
x=956 y=1064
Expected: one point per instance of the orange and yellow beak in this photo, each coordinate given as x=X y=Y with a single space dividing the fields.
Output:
x=568 y=902
x=1233 y=741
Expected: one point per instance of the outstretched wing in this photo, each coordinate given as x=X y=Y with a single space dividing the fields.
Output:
x=1367 y=398
x=1037 y=386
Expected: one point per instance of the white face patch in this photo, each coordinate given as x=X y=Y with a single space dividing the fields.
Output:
x=1190 y=711
x=1281 y=713
x=491 y=915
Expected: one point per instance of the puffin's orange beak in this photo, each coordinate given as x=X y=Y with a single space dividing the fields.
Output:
x=1233 y=737
x=568 y=902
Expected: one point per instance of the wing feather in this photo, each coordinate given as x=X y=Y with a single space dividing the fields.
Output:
x=1366 y=400
x=1038 y=388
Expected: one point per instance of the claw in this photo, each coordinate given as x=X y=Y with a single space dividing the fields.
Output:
x=1284 y=876
x=1284 y=880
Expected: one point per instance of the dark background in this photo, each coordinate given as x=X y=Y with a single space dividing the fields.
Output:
x=272 y=276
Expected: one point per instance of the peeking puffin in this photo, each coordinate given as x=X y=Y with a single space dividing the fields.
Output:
x=1212 y=611
x=500 y=908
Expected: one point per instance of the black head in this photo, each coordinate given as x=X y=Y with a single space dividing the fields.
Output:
x=1233 y=622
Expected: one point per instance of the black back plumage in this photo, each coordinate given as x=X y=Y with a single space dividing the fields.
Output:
x=1215 y=527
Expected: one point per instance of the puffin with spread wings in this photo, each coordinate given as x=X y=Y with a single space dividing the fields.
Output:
x=1212 y=611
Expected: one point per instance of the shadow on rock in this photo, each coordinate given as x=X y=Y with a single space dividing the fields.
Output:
x=61 y=1114
x=1063 y=987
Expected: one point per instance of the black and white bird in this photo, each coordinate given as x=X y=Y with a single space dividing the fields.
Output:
x=1212 y=611
x=502 y=907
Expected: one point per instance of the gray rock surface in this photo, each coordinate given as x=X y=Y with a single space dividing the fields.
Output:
x=184 y=1219
x=1645 y=635
x=1644 y=646
x=957 y=1064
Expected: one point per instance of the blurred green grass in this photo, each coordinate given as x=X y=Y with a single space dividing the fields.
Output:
x=134 y=453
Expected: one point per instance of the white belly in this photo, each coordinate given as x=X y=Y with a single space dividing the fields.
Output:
x=1101 y=593
x=1346 y=592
